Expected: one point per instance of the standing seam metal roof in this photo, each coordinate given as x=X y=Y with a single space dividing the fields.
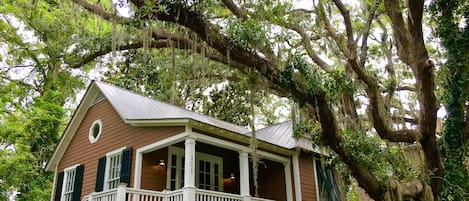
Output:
x=280 y=134
x=133 y=106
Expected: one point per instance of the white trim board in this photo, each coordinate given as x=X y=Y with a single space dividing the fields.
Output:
x=152 y=147
x=237 y=147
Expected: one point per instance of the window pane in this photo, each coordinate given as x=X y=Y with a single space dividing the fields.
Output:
x=201 y=166
x=114 y=170
x=207 y=178
x=173 y=173
x=173 y=160
x=201 y=178
x=69 y=181
x=182 y=171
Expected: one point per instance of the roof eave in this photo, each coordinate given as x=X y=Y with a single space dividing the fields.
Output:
x=307 y=145
x=237 y=136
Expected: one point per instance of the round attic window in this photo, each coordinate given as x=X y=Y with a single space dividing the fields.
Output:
x=95 y=131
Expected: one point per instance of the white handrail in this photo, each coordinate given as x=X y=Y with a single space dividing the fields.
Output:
x=108 y=195
x=206 y=195
x=132 y=194
x=260 y=199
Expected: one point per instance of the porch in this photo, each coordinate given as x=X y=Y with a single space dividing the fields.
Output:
x=197 y=167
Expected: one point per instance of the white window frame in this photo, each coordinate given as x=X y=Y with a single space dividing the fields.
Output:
x=108 y=165
x=212 y=159
x=179 y=152
x=91 y=138
x=66 y=181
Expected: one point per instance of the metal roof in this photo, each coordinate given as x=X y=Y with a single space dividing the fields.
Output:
x=133 y=106
x=280 y=134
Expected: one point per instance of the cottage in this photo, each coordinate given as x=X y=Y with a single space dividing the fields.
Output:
x=120 y=145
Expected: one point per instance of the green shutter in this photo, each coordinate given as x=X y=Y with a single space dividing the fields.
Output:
x=100 y=174
x=58 y=187
x=78 y=183
x=126 y=165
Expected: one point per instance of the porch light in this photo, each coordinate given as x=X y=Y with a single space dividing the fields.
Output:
x=232 y=177
x=162 y=163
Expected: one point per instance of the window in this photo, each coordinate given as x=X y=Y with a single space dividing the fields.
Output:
x=113 y=169
x=175 y=168
x=69 y=183
x=209 y=169
x=69 y=180
x=95 y=131
x=327 y=187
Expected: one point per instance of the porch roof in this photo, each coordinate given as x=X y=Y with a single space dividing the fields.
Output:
x=280 y=134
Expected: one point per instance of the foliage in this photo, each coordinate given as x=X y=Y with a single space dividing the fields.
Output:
x=308 y=128
x=451 y=18
x=247 y=34
x=35 y=88
x=387 y=160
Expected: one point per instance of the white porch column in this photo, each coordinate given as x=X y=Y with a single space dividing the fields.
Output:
x=288 y=183
x=90 y=196
x=120 y=194
x=296 y=176
x=244 y=175
x=189 y=170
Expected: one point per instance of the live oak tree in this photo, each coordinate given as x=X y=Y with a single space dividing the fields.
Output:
x=328 y=57
x=361 y=74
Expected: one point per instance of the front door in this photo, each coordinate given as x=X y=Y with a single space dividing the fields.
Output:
x=209 y=170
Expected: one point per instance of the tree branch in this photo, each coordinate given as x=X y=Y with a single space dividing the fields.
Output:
x=413 y=121
x=98 y=10
x=330 y=137
x=306 y=42
x=339 y=39
x=405 y=88
x=352 y=46
x=364 y=46
x=401 y=34
x=235 y=9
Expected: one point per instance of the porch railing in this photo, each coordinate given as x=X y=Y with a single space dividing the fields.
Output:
x=260 y=199
x=146 y=195
x=122 y=193
x=205 y=195
x=131 y=194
